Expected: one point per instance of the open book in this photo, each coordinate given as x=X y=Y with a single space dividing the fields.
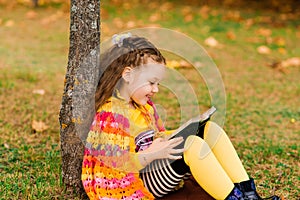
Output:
x=194 y=126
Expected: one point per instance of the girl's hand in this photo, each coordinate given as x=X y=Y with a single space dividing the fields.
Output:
x=160 y=149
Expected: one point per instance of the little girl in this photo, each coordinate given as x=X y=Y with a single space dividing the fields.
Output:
x=126 y=155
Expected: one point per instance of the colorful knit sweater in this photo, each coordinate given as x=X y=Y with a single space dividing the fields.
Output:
x=110 y=168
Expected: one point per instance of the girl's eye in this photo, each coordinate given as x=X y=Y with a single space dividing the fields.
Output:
x=151 y=83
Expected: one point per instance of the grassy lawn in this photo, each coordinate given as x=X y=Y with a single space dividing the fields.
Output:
x=263 y=107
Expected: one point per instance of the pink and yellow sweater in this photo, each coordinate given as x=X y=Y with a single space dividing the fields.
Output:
x=110 y=168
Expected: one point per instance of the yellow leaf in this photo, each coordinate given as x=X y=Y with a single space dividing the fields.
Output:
x=64 y=126
x=282 y=50
x=173 y=63
x=279 y=41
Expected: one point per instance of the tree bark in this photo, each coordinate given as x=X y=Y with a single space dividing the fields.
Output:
x=77 y=107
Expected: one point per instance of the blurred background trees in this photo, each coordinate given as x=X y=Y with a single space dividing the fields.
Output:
x=286 y=6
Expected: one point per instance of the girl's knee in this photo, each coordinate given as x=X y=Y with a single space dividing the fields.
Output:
x=212 y=132
x=196 y=148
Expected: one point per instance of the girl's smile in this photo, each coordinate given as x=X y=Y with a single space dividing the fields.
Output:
x=142 y=83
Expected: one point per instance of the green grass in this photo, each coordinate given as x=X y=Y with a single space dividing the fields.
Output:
x=263 y=109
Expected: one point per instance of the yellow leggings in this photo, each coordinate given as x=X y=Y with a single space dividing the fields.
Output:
x=214 y=162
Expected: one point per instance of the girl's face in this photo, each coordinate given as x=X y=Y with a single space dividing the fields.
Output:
x=144 y=82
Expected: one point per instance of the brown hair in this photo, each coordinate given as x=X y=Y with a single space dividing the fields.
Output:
x=133 y=52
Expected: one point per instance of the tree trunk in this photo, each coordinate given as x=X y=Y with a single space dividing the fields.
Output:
x=77 y=107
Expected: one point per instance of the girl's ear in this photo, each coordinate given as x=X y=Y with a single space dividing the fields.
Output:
x=126 y=74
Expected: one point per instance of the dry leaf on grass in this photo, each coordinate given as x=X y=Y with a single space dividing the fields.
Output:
x=204 y=11
x=263 y=50
x=282 y=66
x=9 y=23
x=188 y=18
x=155 y=17
x=38 y=126
x=211 y=41
x=230 y=35
x=31 y=14
x=264 y=32
x=39 y=91
x=172 y=63
x=6 y=145
x=177 y=64
x=291 y=62
x=52 y=18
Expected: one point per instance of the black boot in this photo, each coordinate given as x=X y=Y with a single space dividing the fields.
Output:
x=249 y=191
x=235 y=194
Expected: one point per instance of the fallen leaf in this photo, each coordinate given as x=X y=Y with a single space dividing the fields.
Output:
x=39 y=91
x=282 y=50
x=186 y=10
x=282 y=66
x=9 y=23
x=31 y=14
x=211 y=41
x=118 y=22
x=263 y=50
x=291 y=62
x=280 y=41
x=233 y=16
x=254 y=40
x=230 y=35
x=204 y=11
x=155 y=17
x=264 y=32
x=165 y=7
x=104 y=14
x=127 y=6
x=173 y=63
x=184 y=63
x=130 y=24
x=38 y=126
x=6 y=145
x=188 y=18
x=52 y=18
x=198 y=64
x=249 y=23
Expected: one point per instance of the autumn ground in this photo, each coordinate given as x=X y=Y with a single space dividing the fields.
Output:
x=252 y=49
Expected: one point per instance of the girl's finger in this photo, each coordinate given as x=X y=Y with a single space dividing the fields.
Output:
x=176 y=151
x=174 y=157
x=176 y=142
